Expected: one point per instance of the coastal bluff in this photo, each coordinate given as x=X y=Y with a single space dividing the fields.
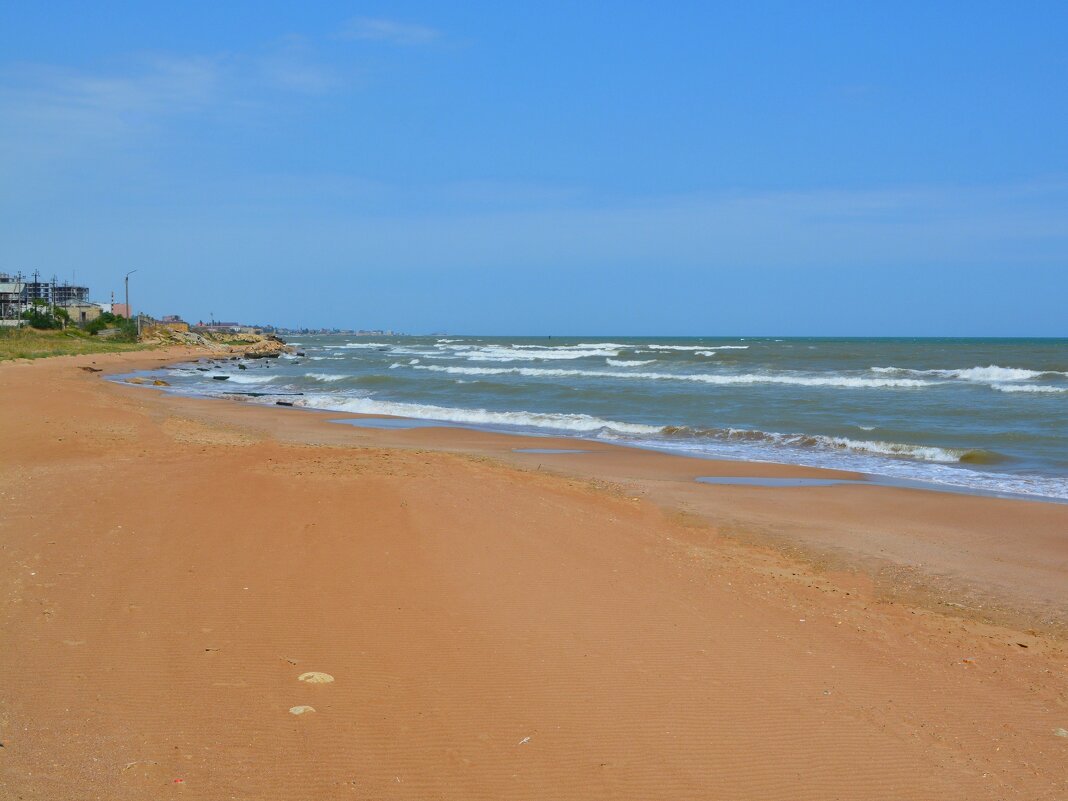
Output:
x=251 y=346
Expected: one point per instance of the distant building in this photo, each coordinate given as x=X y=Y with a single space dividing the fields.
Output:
x=81 y=311
x=65 y=293
x=19 y=293
x=12 y=299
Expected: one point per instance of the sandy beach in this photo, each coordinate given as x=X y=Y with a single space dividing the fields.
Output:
x=496 y=624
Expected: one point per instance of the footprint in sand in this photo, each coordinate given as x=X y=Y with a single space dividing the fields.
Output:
x=315 y=677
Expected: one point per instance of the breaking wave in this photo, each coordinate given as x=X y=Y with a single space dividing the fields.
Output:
x=983 y=374
x=1027 y=388
x=697 y=347
x=591 y=425
x=625 y=363
x=702 y=378
x=927 y=453
x=581 y=423
x=241 y=378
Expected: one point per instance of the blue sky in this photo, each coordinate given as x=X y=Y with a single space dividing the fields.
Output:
x=548 y=168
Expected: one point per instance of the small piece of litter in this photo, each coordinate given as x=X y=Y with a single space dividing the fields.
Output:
x=300 y=710
x=524 y=741
x=315 y=677
x=129 y=765
x=1060 y=732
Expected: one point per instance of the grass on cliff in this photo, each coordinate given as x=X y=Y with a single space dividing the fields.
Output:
x=29 y=343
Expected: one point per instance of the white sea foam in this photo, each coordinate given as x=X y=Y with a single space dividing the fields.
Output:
x=583 y=423
x=494 y=354
x=242 y=378
x=702 y=378
x=990 y=373
x=329 y=377
x=625 y=363
x=697 y=348
x=518 y=353
x=361 y=345
x=995 y=373
x=926 y=453
x=1028 y=388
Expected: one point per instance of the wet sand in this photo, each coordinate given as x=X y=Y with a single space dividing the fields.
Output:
x=497 y=624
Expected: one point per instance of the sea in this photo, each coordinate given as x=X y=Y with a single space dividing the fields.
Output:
x=986 y=415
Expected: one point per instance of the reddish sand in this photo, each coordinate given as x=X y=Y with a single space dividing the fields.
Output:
x=498 y=625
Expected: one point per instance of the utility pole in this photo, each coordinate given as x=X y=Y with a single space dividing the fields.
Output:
x=128 y=311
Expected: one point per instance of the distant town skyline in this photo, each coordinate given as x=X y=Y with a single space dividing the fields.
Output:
x=772 y=169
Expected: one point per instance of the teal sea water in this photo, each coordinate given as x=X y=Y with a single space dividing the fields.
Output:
x=988 y=415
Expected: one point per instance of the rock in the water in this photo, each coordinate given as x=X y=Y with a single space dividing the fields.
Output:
x=159 y=382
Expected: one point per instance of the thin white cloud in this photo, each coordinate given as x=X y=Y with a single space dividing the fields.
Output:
x=292 y=66
x=391 y=31
x=47 y=110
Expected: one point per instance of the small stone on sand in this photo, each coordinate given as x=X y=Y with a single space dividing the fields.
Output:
x=300 y=710
x=315 y=677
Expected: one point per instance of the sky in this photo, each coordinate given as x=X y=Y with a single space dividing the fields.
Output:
x=677 y=168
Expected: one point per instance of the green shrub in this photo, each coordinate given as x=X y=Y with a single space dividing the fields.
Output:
x=45 y=318
x=128 y=328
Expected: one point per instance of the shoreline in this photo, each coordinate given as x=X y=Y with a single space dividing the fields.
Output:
x=172 y=563
x=932 y=470
x=674 y=481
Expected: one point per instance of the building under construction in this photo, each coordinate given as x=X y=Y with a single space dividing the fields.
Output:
x=19 y=293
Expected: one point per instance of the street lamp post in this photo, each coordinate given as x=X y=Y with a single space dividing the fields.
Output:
x=128 y=312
